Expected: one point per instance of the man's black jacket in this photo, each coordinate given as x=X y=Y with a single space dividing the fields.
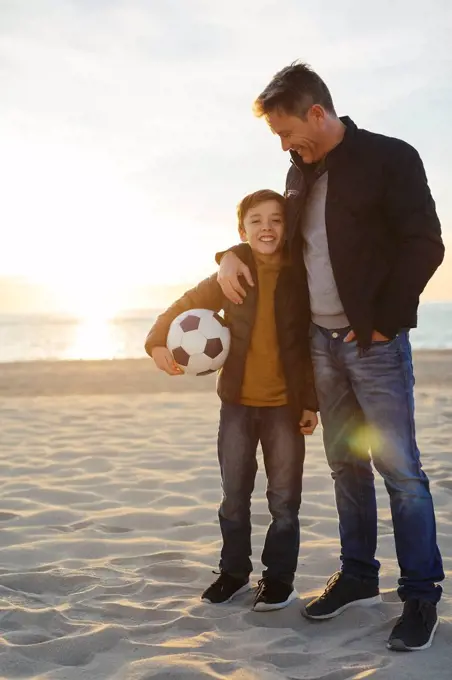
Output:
x=384 y=236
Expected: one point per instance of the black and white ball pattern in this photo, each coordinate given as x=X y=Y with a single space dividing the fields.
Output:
x=199 y=341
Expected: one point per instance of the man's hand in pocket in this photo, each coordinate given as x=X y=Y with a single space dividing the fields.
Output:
x=376 y=337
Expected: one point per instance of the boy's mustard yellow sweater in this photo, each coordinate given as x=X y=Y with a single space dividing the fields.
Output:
x=263 y=381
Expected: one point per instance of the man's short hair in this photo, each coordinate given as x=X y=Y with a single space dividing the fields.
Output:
x=293 y=91
x=254 y=199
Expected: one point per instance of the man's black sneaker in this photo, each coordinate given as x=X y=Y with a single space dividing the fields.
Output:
x=343 y=591
x=224 y=589
x=416 y=627
x=272 y=594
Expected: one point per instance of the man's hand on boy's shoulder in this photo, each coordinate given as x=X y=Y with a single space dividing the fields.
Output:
x=165 y=362
x=231 y=268
x=308 y=422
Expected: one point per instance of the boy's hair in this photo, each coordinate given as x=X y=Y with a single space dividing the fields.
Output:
x=254 y=199
x=294 y=90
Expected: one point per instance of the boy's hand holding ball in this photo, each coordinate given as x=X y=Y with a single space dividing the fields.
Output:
x=165 y=362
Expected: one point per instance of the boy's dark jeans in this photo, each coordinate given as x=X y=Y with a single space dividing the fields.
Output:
x=241 y=429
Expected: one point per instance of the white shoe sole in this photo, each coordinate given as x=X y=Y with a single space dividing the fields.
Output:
x=400 y=646
x=264 y=607
x=367 y=602
x=240 y=591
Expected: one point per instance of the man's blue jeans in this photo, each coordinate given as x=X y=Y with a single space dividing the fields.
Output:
x=367 y=404
x=241 y=429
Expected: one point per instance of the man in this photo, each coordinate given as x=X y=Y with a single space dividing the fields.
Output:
x=362 y=226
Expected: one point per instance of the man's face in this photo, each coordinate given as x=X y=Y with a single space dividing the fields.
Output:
x=305 y=137
x=264 y=227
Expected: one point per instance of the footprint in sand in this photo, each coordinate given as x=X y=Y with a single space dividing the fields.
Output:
x=112 y=530
x=7 y=516
x=446 y=484
x=146 y=560
x=70 y=528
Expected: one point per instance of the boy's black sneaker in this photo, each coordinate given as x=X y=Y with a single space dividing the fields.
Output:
x=416 y=627
x=272 y=594
x=343 y=591
x=224 y=589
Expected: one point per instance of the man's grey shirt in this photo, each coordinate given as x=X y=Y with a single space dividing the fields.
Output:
x=326 y=307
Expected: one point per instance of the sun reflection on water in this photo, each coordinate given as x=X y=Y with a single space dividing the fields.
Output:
x=94 y=338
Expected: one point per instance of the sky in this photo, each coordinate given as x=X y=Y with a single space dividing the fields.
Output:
x=127 y=136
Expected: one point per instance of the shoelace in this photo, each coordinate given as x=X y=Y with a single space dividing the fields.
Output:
x=261 y=584
x=265 y=583
x=330 y=584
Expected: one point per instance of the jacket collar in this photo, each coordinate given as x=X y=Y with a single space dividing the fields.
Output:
x=335 y=155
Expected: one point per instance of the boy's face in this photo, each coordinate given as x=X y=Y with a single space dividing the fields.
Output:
x=264 y=227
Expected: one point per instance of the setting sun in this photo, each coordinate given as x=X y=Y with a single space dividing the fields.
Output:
x=93 y=339
x=90 y=299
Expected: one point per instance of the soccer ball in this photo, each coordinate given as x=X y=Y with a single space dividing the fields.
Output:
x=199 y=341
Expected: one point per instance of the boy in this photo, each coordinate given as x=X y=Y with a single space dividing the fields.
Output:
x=267 y=394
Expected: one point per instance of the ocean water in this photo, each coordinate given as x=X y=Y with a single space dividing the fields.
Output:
x=31 y=338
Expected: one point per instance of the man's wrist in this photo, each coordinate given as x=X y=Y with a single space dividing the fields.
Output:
x=387 y=332
x=219 y=256
x=240 y=250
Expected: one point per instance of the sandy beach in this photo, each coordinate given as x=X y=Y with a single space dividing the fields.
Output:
x=109 y=533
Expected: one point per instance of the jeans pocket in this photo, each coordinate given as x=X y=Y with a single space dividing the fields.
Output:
x=384 y=348
x=381 y=343
x=384 y=343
